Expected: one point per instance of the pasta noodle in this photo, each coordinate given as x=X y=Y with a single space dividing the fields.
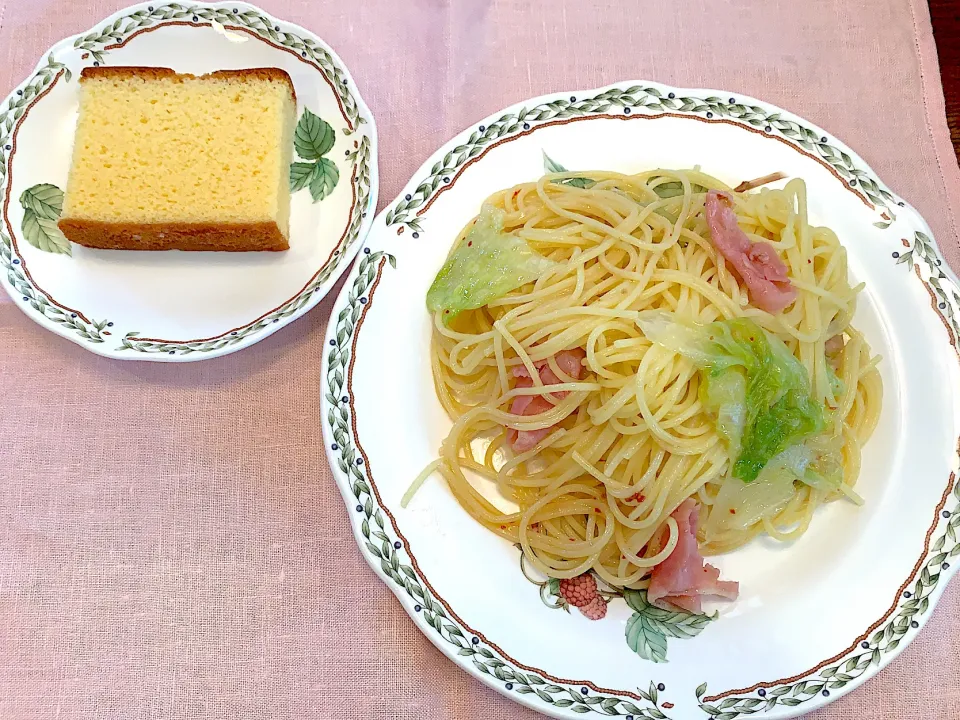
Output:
x=629 y=440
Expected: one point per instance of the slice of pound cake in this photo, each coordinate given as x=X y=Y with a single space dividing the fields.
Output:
x=164 y=161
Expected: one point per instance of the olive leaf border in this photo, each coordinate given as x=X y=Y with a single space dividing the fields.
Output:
x=16 y=105
x=913 y=604
x=649 y=101
x=385 y=551
x=922 y=257
x=406 y=214
x=97 y=43
x=923 y=254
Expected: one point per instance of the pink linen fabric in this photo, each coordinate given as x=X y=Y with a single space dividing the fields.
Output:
x=172 y=544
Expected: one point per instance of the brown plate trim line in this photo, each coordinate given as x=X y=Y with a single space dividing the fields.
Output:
x=406 y=544
x=353 y=189
x=78 y=313
x=866 y=633
x=564 y=121
x=711 y=698
x=249 y=32
x=936 y=310
x=916 y=568
x=6 y=202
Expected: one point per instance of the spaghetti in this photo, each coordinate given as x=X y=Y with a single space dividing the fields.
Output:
x=622 y=444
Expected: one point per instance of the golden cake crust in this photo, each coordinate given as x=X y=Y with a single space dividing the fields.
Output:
x=234 y=237
x=121 y=72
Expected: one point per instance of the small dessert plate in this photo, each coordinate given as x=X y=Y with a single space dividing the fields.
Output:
x=180 y=306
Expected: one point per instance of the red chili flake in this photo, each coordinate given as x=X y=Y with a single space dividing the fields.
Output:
x=732 y=511
x=809 y=261
x=596 y=510
x=751 y=338
x=637 y=497
x=470 y=243
x=503 y=527
x=515 y=193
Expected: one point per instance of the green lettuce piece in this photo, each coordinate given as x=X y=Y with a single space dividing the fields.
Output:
x=674 y=188
x=726 y=397
x=837 y=386
x=776 y=409
x=485 y=266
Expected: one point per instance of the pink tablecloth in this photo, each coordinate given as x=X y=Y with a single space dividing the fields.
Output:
x=171 y=541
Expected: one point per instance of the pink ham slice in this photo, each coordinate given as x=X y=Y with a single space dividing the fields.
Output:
x=570 y=362
x=757 y=264
x=683 y=579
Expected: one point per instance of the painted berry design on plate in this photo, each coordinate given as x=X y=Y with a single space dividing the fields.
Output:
x=580 y=591
x=383 y=551
x=647 y=629
x=596 y=609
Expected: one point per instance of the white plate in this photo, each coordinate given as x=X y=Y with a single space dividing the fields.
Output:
x=173 y=305
x=814 y=619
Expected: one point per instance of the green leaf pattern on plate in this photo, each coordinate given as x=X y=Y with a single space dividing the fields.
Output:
x=324 y=180
x=886 y=638
x=42 y=205
x=100 y=43
x=312 y=140
x=550 y=166
x=301 y=173
x=389 y=555
x=360 y=157
x=649 y=627
x=45 y=200
x=313 y=137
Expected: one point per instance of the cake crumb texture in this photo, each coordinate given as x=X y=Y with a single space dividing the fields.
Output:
x=169 y=161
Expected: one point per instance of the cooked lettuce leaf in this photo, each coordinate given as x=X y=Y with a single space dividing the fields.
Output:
x=739 y=505
x=777 y=407
x=486 y=265
x=726 y=397
x=837 y=386
x=674 y=188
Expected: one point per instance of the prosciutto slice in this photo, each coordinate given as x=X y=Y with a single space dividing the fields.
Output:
x=570 y=362
x=683 y=578
x=756 y=263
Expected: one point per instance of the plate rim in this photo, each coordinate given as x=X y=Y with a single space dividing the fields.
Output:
x=355 y=485
x=89 y=335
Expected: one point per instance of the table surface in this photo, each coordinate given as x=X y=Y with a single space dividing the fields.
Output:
x=945 y=15
x=172 y=542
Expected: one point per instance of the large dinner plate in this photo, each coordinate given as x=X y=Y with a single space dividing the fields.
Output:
x=816 y=618
x=173 y=306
